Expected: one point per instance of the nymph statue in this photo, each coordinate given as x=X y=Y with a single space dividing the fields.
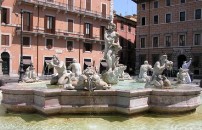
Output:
x=75 y=68
x=183 y=74
x=143 y=77
x=61 y=77
x=30 y=75
x=157 y=79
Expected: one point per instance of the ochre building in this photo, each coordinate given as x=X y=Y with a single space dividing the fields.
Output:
x=66 y=28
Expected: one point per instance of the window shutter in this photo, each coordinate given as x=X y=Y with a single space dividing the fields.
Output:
x=84 y=30
x=7 y=16
x=7 y=40
x=91 y=30
x=31 y=22
x=104 y=8
x=25 y=24
x=53 y=29
x=3 y=41
x=70 y=25
x=70 y=4
x=88 y=5
x=45 y=24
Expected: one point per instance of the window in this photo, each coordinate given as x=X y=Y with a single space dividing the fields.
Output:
x=143 y=21
x=197 y=39
x=168 y=41
x=46 y=69
x=49 y=43
x=182 y=40
x=70 y=4
x=87 y=63
x=68 y=62
x=143 y=6
x=27 y=61
x=168 y=18
x=102 y=47
x=5 y=15
x=27 y=21
x=156 y=19
x=5 y=40
x=104 y=10
x=88 y=5
x=182 y=1
x=70 y=45
x=156 y=4
x=182 y=16
x=121 y=42
x=26 y=41
x=129 y=28
x=122 y=26
x=155 y=58
x=88 y=47
x=196 y=62
x=142 y=58
x=102 y=32
x=198 y=14
x=142 y=42
x=70 y=25
x=88 y=30
x=168 y=2
x=155 y=41
x=49 y=24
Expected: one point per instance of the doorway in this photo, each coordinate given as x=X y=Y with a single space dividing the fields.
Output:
x=6 y=63
x=47 y=70
x=180 y=60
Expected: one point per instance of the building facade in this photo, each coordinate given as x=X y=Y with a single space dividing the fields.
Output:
x=172 y=27
x=126 y=30
x=66 y=28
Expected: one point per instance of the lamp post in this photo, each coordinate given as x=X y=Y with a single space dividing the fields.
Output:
x=21 y=71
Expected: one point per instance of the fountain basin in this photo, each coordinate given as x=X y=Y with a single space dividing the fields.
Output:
x=55 y=101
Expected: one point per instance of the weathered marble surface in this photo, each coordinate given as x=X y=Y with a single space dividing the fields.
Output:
x=143 y=77
x=158 y=80
x=53 y=101
x=112 y=47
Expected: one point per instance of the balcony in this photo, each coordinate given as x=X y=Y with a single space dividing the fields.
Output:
x=67 y=8
x=59 y=34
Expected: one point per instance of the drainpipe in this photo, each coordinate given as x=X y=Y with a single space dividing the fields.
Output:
x=80 y=35
x=149 y=31
x=37 y=45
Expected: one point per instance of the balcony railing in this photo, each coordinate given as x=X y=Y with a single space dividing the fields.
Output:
x=58 y=33
x=67 y=8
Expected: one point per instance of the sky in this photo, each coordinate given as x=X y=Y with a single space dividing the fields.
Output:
x=125 y=7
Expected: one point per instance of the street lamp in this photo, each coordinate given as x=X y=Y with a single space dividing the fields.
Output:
x=21 y=71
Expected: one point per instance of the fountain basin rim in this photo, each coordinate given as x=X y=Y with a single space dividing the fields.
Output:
x=53 y=101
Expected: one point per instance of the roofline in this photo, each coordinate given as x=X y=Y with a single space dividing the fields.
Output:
x=135 y=1
x=132 y=21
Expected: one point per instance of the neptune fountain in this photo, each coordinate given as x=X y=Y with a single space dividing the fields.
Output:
x=88 y=92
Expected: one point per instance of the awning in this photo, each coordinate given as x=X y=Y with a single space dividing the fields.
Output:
x=88 y=63
x=27 y=61
x=104 y=64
